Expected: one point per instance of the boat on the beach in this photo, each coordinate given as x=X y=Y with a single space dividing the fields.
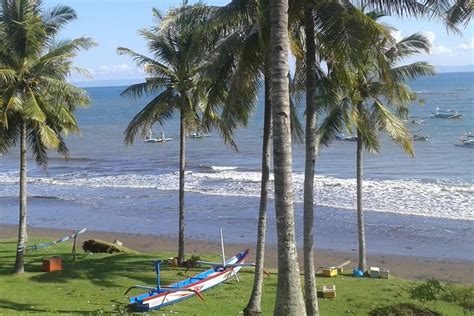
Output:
x=345 y=138
x=159 y=296
x=446 y=114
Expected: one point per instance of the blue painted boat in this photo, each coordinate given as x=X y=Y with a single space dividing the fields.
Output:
x=158 y=297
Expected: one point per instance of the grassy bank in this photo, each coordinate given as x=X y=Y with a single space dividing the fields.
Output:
x=94 y=284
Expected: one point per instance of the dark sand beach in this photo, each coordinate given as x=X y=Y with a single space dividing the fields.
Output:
x=410 y=267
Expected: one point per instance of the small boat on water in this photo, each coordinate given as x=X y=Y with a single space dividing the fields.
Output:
x=417 y=137
x=469 y=143
x=162 y=139
x=416 y=121
x=158 y=297
x=345 y=138
x=466 y=140
x=446 y=114
x=199 y=135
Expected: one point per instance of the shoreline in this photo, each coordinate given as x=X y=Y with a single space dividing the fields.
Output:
x=408 y=267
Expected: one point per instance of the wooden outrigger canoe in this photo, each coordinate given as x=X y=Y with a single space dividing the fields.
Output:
x=158 y=297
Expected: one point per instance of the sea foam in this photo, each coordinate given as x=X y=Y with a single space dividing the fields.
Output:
x=443 y=199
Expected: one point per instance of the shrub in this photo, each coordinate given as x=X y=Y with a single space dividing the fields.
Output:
x=98 y=246
x=428 y=291
x=460 y=295
x=403 y=309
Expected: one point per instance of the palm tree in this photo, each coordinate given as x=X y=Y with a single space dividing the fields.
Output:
x=289 y=298
x=334 y=27
x=37 y=103
x=376 y=90
x=174 y=74
x=240 y=63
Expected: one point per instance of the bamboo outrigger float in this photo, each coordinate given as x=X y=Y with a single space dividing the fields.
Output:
x=158 y=297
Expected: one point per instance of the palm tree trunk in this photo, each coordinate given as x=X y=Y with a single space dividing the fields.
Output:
x=360 y=212
x=182 y=151
x=254 y=304
x=311 y=298
x=289 y=298
x=19 y=262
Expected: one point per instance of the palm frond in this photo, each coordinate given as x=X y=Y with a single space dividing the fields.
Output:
x=414 y=70
x=297 y=130
x=460 y=12
x=413 y=44
x=9 y=136
x=151 y=85
x=143 y=61
x=160 y=109
x=55 y=18
x=393 y=126
x=335 y=121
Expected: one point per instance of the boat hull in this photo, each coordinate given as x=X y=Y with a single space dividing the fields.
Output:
x=182 y=290
x=465 y=145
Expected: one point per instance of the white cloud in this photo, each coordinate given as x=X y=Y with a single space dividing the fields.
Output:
x=116 y=71
x=437 y=49
x=467 y=45
x=441 y=50
x=122 y=67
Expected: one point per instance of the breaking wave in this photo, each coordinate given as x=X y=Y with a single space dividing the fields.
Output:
x=443 y=199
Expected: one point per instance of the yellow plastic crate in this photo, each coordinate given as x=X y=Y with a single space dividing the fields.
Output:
x=329 y=272
x=329 y=291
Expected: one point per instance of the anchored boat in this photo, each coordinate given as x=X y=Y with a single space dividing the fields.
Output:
x=199 y=135
x=466 y=140
x=417 y=137
x=446 y=114
x=162 y=139
x=345 y=138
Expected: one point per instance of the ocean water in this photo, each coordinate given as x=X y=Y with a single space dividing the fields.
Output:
x=421 y=205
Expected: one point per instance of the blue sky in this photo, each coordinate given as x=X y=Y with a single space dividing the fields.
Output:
x=114 y=23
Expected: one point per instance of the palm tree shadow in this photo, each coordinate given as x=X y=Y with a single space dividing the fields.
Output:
x=19 y=307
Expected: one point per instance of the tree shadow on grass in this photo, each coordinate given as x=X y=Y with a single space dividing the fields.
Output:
x=20 y=307
x=113 y=271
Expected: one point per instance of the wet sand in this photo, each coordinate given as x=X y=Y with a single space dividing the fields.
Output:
x=410 y=267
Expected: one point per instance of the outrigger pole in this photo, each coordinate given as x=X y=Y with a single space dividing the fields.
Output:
x=222 y=248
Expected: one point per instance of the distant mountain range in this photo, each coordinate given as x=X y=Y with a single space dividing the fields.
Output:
x=107 y=83
x=127 y=82
x=465 y=68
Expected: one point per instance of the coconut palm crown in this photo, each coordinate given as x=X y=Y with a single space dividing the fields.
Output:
x=377 y=101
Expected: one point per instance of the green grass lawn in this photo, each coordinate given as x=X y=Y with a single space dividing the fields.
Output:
x=95 y=285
